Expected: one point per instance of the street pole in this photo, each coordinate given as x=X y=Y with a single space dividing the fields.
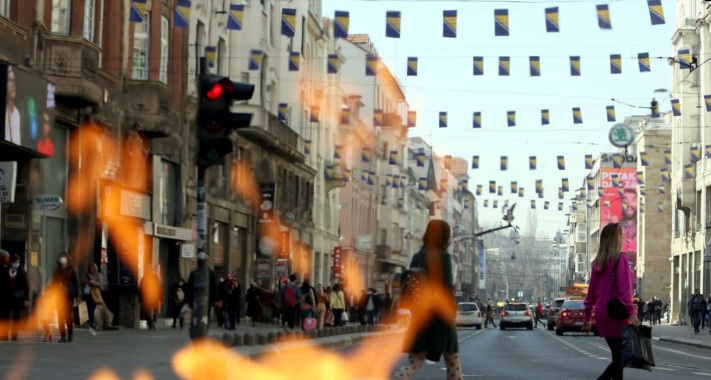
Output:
x=201 y=277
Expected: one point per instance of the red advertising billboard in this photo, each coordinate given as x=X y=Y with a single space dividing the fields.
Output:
x=337 y=262
x=618 y=204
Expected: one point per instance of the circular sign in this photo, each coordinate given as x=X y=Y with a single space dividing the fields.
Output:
x=289 y=218
x=266 y=245
x=621 y=135
x=48 y=202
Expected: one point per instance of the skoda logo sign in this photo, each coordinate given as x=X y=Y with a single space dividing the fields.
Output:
x=621 y=135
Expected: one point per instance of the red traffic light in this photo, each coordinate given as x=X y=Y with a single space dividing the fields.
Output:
x=215 y=92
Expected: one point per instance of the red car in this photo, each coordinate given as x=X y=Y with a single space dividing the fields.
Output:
x=571 y=317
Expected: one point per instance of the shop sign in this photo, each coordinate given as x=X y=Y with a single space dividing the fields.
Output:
x=48 y=202
x=170 y=232
x=262 y=268
x=337 y=262
x=187 y=251
x=282 y=268
x=135 y=205
x=8 y=180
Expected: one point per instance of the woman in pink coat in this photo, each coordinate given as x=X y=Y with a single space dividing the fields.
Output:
x=602 y=289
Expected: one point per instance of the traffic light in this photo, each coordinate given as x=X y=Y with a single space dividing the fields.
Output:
x=215 y=120
x=655 y=108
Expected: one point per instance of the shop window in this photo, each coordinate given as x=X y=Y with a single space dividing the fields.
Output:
x=141 y=48
x=61 y=16
x=89 y=12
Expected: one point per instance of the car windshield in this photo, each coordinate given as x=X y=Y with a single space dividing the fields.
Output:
x=574 y=305
x=558 y=303
x=468 y=307
x=516 y=307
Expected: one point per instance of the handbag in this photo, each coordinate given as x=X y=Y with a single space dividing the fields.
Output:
x=615 y=308
x=637 y=347
x=83 y=312
x=308 y=324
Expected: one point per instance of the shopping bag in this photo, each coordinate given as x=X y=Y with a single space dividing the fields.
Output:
x=308 y=324
x=83 y=312
x=637 y=347
x=344 y=318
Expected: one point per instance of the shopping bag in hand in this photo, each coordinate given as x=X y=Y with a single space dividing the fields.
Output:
x=637 y=347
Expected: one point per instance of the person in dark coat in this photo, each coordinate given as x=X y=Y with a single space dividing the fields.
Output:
x=254 y=309
x=151 y=292
x=176 y=302
x=19 y=293
x=432 y=331
x=228 y=297
x=211 y=294
x=5 y=299
x=66 y=285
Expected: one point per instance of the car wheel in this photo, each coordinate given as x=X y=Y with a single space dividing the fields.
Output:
x=478 y=327
x=530 y=326
x=595 y=333
x=550 y=326
x=558 y=331
x=501 y=327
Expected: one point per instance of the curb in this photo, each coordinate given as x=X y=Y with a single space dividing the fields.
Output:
x=687 y=342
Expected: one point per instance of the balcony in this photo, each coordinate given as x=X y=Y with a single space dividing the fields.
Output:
x=386 y=254
x=72 y=64
x=268 y=131
x=149 y=108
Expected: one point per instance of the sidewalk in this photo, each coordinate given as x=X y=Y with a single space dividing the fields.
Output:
x=682 y=334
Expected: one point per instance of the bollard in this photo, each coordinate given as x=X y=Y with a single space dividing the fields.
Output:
x=290 y=335
x=249 y=339
x=271 y=338
x=228 y=339
x=238 y=340
x=280 y=337
x=319 y=333
x=261 y=339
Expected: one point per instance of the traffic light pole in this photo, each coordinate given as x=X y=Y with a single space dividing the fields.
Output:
x=201 y=279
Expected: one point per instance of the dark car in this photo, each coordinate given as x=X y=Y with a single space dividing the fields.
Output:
x=553 y=312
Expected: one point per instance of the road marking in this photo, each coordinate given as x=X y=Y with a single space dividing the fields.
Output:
x=702 y=374
x=681 y=352
x=470 y=335
x=665 y=369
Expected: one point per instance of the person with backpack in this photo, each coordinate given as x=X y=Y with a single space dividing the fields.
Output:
x=290 y=295
x=697 y=307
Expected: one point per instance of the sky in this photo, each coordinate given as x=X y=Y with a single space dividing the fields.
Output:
x=445 y=83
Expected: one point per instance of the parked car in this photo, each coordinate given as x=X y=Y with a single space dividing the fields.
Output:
x=571 y=317
x=553 y=312
x=468 y=314
x=516 y=315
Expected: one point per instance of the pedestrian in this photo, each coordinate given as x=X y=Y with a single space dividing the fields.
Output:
x=708 y=312
x=66 y=284
x=226 y=297
x=151 y=295
x=697 y=307
x=371 y=304
x=254 y=309
x=290 y=296
x=539 y=311
x=235 y=303
x=321 y=301
x=307 y=302
x=611 y=277
x=211 y=293
x=5 y=299
x=338 y=304
x=19 y=293
x=94 y=299
x=433 y=331
x=489 y=316
x=176 y=302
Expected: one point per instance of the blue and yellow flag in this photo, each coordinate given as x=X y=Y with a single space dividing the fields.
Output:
x=640 y=178
x=707 y=148
x=546 y=204
x=332 y=67
x=511 y=118
x=377 y=117
x=689 y=171
x=561 y=194
x=561 y=162
x=443 y=120
x=371 y=178
x=338 y=152
x=565 y=185
x=590 y=183
x=684 y=59
x=288 y=22
x=328 y=172
x=499 y=190
x=506 y=203
x=642 y=192
x=533 y=204
x=552 y=25
x=521 y=192
x=495 y=203
x=645 y=65
x=294 y=60
x=395 y=182
x=420 y=159
x=665 y=174
x=422 y=183
x=478 y=189
x=695 y=153
x=662 y=189
x=492 y=187
x=392 y=24
x=575 y=66
x=315 y=114
x=656 y=12
x=211 y=56
x=600 y=192
x=138 y=9
x=365 y=156
x=347 y=175
x=486 y=203
x=707 y=101
x=181 y=16
x=345 y=115
x=342 y=22
x=560 y=206
x=545 y=117
x=616 y=181
x=235 y=17
x=393 y=157
x=617 y=160
x=449 y=24
x=464 y=184
x=504 y=66
x=411 y=119
x=501 y=22
x=535 y=63
x=478 y=65
x=532 y=163
x=475 y=162
x=514 y=187
x=371 y=65
x=539 y=186
x=676 y=107
x=577 y=116
x=603 y=17
x=255 y=59
x=364 y=176
x=643 y=159
x=660 y=207
x=307 y=147
x=283 y=111
x=476 y=120
x=611 y=113
x=588 y=161
x=504 y=163
x=412 y=66
x=447 y=162
x=667 y=156
x=615 y=64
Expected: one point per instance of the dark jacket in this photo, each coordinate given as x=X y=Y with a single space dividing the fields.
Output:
x=19 y=287
x=66 y=278
x=150 y=283
x=189 y=289
x=440 y=335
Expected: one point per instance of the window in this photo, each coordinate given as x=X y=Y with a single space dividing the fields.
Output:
x=141 y=46
x=5 y=8
x=273 y=20
x=163 y=73
x=303 y=35
x=100 y=39
x=61 y=14
x=221 y=57
x=89 y=11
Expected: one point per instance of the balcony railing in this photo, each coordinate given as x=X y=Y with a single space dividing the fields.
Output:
x=266 y=129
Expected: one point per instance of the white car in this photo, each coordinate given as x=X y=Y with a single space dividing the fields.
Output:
x=468 y=314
